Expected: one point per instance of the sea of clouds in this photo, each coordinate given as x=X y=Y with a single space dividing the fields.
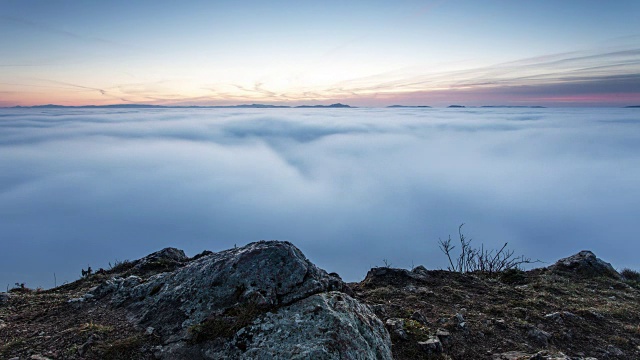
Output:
x=352 y=188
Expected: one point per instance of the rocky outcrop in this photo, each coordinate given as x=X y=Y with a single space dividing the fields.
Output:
x=542 y=355
x=388 y=275
x=585 y=263
x=164 y=258
x=323 y=326
x=263 y=300
x=432 y=346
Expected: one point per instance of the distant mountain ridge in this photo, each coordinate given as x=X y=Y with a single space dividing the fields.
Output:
x=263 y=106
x=337 y=105
x=514 y=106
x=147 y=106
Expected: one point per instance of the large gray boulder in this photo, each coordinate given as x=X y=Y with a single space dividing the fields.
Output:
x=585 y=263
x=264 y=301
x=323 y=326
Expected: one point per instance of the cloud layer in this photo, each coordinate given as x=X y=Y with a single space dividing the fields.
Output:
x=350 y=187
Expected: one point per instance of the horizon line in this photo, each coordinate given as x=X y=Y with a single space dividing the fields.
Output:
x=274 y=106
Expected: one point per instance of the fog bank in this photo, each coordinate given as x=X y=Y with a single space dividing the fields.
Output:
x=350 y=187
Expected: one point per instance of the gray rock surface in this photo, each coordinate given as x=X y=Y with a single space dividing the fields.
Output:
x=432 y=346
x=396 y=326
x=540 y=336
x=419 y=317
x=584 y=263
x=324 y=326
x=443 y=335
x=561 y=316
x=301 y=315
x=4 y=298
x=459 y=320
x=38 y=357
x=614 y=351
x=389 y=275
x=541 y=355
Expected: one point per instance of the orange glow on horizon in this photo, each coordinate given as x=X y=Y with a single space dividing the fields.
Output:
x=470 y=95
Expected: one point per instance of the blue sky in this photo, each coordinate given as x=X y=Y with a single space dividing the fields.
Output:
x=366 y=53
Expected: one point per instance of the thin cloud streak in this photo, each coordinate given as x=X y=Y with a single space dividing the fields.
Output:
x=617 y=71
x=581 y=71
x=550 y=69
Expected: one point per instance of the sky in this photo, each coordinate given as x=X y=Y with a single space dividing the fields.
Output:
x=352 y=188
x=365 y=53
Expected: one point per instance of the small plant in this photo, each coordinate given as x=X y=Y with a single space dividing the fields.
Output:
x=513 y=276
x=159 y=265
x=87 y=273
x=10 y=347
x=630 y=275
x=382 y=294
x=634 y=329
x=94 y=328
x=20 y=288
x=120 y=266
x=123 y=349
x=416 y=330
x=480 y=259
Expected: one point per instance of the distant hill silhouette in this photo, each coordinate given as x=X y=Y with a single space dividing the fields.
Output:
x=456 y=106
x=633 y=106
x=408 y=106
x=147 y=106
x=52 y=106
x=513 y=106
x=338 y=105
x=260 y=106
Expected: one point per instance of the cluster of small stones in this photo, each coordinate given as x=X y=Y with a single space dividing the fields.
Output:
x=433 y=345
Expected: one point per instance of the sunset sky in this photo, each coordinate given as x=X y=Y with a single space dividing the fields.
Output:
x=364 y=53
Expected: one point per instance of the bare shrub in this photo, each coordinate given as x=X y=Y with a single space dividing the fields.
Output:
x=630 y=275
x=20 y=288
x=120 y=266
x=480 y=259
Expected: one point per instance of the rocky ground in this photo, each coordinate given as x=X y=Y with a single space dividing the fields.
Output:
x=550 y=313
x=266 y=300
